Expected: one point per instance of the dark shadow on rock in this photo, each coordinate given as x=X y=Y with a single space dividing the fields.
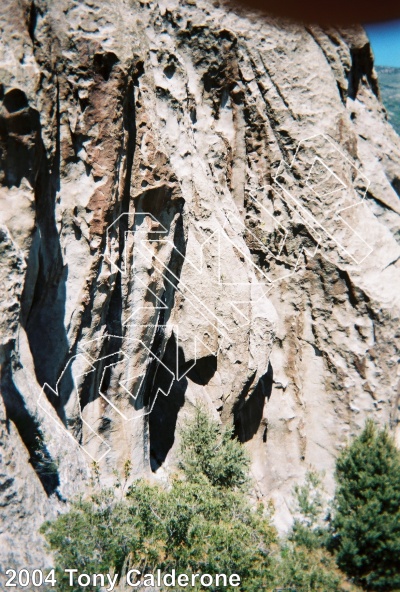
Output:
x=163 y=418
x=44 y=295
x=203 y=370
x=362 y=66
x=29 y=430
x=162 y=422
x=104 y=63
x=155 y=372
x=248 y=411
x=20 y=139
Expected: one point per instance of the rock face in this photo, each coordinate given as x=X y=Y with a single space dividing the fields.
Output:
x=195 y=205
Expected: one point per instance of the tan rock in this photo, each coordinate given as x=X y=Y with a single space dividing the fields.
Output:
x=171 y=234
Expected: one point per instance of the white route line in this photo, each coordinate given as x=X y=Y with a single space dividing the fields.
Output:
x=279 y=177
x=189 y=293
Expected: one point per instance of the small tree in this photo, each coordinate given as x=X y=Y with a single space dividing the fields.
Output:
x=309 y=527
x=209 y=451
x=303 y=562
x=366 y=522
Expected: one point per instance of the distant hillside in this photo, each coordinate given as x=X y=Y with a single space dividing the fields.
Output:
x=389 y=82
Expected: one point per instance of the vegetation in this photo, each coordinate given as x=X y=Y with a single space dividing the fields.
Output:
x=366 y=523
x=309 y=528
x=209 y=452
x=361 y=532
x=304 y=563
x=204 y=522
x=300 y=569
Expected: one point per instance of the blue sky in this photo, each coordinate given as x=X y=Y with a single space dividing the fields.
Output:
x=385 y=41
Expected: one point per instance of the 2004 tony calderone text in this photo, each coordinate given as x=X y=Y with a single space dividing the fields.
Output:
x=38 y=578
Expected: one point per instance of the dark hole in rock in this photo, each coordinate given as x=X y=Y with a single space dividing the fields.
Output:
x=224 y=97
x=396 y=185
x=104 y=63
x=169 y=70
x=209 y=82
x=15 y=100
x=139 y=71
x=83 y=103
x=203 y=370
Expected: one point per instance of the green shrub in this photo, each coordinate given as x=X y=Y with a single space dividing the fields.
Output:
x=366 y=523
x=303 y=562
x=202 y=523
x=310 y=527
x=93 y=537
x=302 y=569
x=209 y=450
x=196 y=528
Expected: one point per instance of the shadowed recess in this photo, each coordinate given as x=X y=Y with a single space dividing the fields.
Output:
x=29 y=431
x=248 y=412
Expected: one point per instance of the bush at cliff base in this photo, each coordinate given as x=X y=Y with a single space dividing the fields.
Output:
x=201 y=523
x=366 y=522
x=204 y=521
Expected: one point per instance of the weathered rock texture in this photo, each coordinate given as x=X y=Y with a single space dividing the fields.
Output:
x=169 y=120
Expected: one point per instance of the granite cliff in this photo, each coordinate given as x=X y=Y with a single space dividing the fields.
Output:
x=196 y=204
